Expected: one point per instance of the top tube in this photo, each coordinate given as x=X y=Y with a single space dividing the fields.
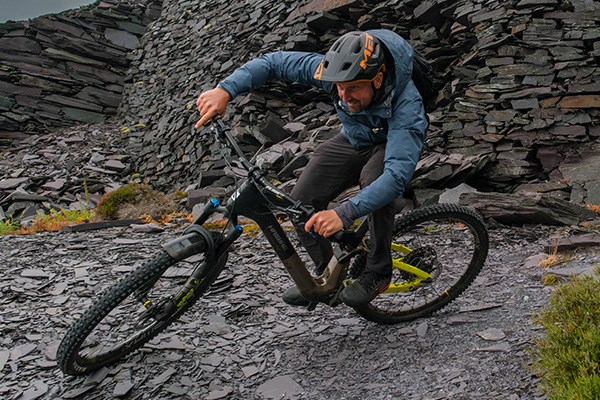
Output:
x=272 y=193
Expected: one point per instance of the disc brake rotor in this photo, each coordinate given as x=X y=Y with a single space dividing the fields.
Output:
x=424 y=258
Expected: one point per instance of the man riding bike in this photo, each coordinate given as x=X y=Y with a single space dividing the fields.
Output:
x=368 y=74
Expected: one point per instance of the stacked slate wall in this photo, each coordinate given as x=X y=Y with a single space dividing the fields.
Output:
x=518 y=104
x=68 y=68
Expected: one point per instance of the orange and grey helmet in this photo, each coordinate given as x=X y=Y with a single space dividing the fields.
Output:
x=355 y=56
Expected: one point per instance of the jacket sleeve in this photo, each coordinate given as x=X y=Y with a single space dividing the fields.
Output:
x=287 y=66
x=406 y=134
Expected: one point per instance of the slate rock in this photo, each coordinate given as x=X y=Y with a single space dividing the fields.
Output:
x=279 y=387
x=12 y=183
x=492 y=334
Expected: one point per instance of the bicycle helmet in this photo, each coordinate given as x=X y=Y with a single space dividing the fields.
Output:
x=355 y=56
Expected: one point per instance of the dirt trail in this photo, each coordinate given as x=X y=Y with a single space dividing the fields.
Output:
x=245 y=343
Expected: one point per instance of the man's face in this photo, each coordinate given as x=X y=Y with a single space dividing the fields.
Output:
x=359 y=95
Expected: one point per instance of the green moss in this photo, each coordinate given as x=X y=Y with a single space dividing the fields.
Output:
x=133 y=201
x=109 y=204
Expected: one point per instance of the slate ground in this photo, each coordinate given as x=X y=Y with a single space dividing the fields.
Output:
x=242 y=342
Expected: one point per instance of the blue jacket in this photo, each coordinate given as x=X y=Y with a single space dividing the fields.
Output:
x=401 y=112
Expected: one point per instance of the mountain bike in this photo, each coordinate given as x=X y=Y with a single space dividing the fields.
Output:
x=437 y=252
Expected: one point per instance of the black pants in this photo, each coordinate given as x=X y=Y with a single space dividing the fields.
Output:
x=335 y=167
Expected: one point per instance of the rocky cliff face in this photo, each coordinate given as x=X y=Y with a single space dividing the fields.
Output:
x=517 y=109
x=518 y=105
x=68 y=68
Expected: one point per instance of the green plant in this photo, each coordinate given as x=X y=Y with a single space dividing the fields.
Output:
x=52 y=221
x=87 y=194
x=568 y=356
x=7 y=227
x=56 y=219
x=550 y=280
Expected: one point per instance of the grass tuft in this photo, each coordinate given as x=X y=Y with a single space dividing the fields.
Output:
x=108 y=206
x=56 y=219
x=568 y=356
x=52 y=221
x=550 y=280
x=556 y=258
x=7 y=227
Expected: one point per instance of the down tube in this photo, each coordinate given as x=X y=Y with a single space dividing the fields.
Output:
x=248 y=201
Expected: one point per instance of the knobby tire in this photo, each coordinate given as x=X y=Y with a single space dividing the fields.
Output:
x=410 y=226
x=69 y=356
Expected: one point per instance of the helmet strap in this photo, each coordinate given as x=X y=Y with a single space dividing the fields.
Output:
x=378 y=93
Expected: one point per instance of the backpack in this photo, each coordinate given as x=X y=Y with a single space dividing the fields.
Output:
x=422 y=76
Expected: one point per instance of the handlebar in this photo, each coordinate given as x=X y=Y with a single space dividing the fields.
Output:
x=258 y=175
x=223 y=135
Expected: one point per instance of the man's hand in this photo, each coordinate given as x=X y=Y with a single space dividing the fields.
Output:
x=325 y=223
x=210 y=103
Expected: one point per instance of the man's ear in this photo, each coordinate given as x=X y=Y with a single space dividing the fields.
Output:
x=378 y=81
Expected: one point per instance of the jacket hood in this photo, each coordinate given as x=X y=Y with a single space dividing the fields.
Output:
x=401 y=52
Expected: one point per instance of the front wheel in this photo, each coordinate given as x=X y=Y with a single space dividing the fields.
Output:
x=437 y=252
x=134 y=310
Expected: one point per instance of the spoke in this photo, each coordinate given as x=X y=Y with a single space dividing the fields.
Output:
x=428 y=261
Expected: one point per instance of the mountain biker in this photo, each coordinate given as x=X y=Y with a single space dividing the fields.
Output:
x=368 y=75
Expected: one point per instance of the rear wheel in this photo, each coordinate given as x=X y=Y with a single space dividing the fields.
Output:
x=134 y=310
x=447 y=241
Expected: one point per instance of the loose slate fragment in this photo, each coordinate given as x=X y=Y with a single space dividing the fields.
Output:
x=22 y=350
x=218 y=394
x=480 y=307
x=37 y=389
x=164 y=377
x=34 y=273
x=212 y=360
x=75 y=393
x=250 y=371
x=4 y=354
x=279 y=387
x=492 y=334
x=499 y=347
x=96 y=377
x=422 y=329
x=122 y=388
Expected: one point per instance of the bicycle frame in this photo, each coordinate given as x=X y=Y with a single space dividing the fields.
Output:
x=257 y=199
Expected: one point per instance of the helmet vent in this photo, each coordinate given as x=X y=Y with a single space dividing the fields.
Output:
x=354 y=56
